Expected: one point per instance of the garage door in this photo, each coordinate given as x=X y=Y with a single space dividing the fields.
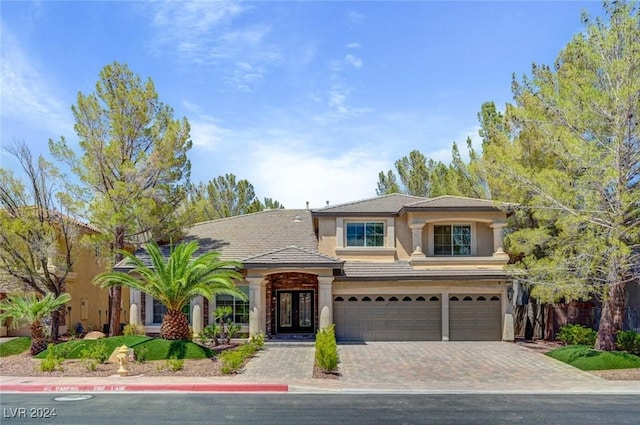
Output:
x=475 y=317
x=388 y=317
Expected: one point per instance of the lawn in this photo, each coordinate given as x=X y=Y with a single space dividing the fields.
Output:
x=156 y=348
x=586 y=358
x=15 y=346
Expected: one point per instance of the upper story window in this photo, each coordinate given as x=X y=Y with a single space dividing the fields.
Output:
x=452 y=240
x=367 y=234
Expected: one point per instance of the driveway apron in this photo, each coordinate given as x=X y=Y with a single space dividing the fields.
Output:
x=457 y=366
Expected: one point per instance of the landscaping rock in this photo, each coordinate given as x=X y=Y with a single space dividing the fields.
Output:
x=94 y=335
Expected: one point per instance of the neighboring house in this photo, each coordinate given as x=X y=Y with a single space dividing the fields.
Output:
x=89 y=303
x=395 y=267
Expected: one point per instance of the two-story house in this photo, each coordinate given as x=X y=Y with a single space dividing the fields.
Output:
x=89 y=303
x=395 y=267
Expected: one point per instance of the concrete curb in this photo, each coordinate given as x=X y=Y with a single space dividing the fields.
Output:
x=68 y=388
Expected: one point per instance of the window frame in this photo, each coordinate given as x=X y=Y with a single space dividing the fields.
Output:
x=365 y=226
x=452 y=253
x=236 y=304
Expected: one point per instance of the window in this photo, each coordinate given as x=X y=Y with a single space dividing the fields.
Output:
x=159 y=310
x=240 y=307
x=369 y=234
x=452 y=240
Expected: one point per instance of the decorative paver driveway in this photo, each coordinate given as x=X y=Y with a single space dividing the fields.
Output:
x=458 y=366
x=428 y=367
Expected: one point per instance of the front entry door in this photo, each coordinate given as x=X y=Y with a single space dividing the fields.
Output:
x=295 y=311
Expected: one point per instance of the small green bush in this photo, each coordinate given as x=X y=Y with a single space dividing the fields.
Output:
x=257 y=340
x=142 y=354
x=132 y=329
x=174 y=364
x=574 y=334
x=233 y=329
x=51 y=362
x=232 y=360
x=628 y=341
x=327 y=349
x=90 y=364
x=96 y=351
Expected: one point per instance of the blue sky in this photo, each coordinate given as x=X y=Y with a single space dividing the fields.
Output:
x=309 y=101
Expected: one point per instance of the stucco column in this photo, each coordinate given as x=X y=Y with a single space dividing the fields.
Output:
x=325 y=301
x=257 y=305
x=135 y=303
x=416 y=237
x=445 y=316
x=498 y=235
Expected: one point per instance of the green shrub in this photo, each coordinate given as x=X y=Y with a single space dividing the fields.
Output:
x=174 y=364
x=232 y=360
x=257 y=340
x=51 y=362
x=628 y=341
x=574 y=334
x=141 y=353
x=233 y=329
x=132 y=329
x=90 y=364
x=96 y=351
x=327 y=349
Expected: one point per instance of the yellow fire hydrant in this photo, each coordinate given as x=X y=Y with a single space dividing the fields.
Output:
x=123 y=360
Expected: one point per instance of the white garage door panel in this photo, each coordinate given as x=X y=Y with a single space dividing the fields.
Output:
x=474 y=317
x=388 y=318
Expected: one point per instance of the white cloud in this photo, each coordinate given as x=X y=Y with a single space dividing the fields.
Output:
x=353 y=45
x=201 y=33
x=355 y=18
x=27 y=96
x=295 y=176
x=207 y=134
x=353 y=60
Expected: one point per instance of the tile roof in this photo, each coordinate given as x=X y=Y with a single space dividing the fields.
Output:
x=247 y=236
x=382 y=205
x=453 y=202
x=402 y=270
x=292 y=256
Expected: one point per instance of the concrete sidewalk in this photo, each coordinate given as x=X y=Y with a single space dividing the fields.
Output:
x=374 y=367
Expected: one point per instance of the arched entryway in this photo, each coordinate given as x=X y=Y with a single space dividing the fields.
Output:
x=293 y=299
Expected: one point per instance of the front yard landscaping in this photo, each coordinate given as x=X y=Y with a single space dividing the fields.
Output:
x=152 y=356
x=589 y=359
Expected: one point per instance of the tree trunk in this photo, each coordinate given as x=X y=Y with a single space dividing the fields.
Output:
x=38 y=341
x=55 y=325
x=115 y=292
x=612 y=317
x=175 y=326
x=114 y=308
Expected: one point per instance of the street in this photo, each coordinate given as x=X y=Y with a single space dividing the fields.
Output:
x=291 y=408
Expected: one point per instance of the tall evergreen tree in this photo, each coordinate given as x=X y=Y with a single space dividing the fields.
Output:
x=574 y=159
x=133 y=163
x=222 y=197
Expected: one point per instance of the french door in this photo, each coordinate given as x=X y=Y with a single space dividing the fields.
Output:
x=295 y=311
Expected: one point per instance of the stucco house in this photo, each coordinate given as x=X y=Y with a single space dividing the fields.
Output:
x=89 y=303
x=394 y=267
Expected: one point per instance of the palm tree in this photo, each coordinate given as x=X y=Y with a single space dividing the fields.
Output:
x=28 y=309
x=177 y=280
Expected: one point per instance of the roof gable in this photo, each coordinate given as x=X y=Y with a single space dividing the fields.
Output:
x=292 y=256
x=449 y=202
x=382 y=205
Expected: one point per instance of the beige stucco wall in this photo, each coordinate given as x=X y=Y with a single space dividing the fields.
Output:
x=89 y=303
x=403 y=235
x=327 y=235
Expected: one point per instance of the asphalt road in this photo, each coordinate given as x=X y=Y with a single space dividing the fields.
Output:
x=190 y=408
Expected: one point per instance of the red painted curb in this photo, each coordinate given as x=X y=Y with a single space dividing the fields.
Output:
x=146 y=387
